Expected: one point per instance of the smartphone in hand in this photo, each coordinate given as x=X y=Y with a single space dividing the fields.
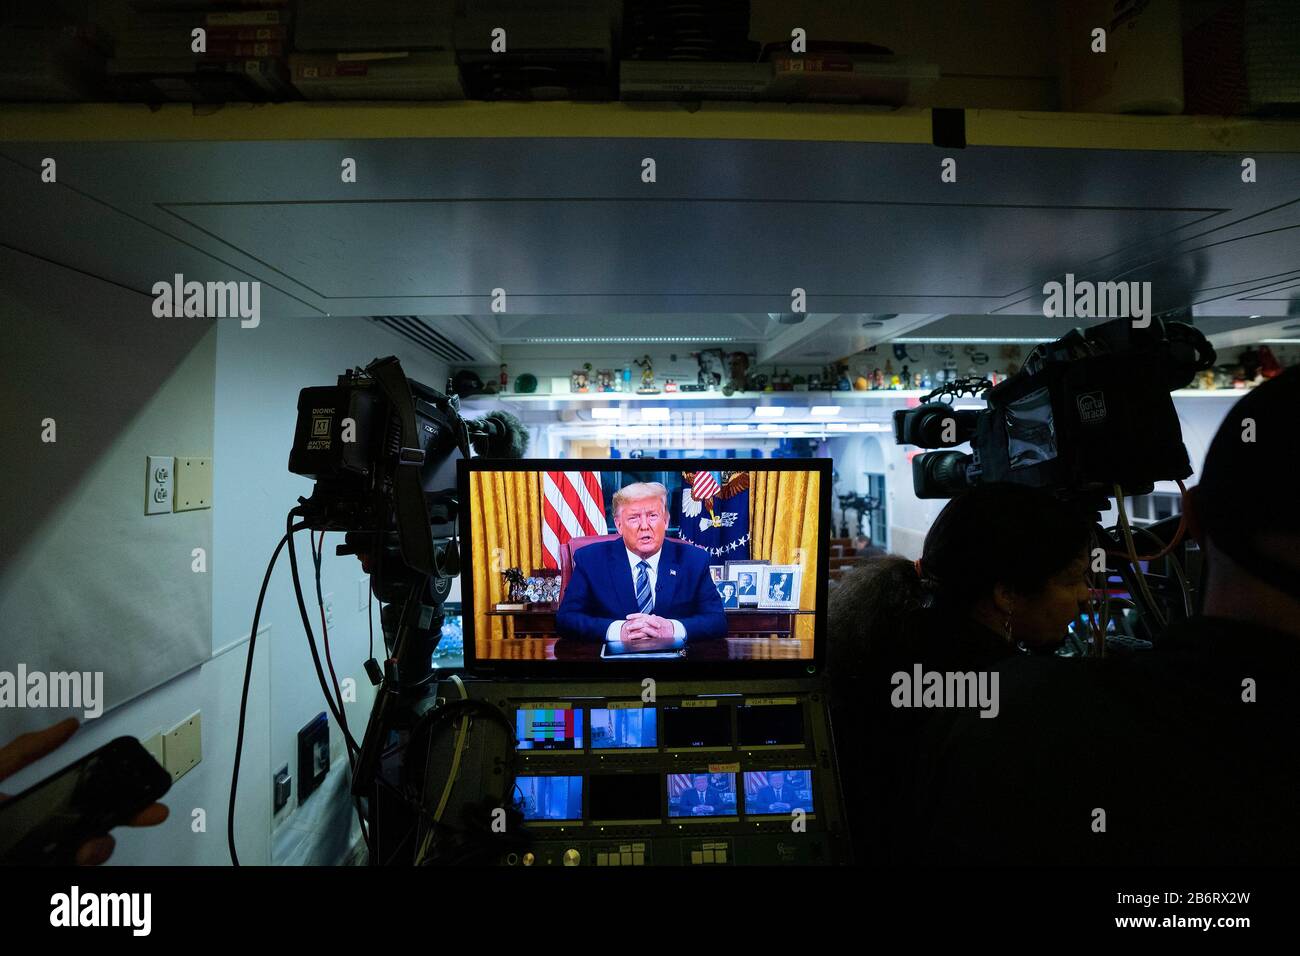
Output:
x=47 y=823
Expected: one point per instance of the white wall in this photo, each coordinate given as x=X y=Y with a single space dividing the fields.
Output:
x=259 y=374
x=89 y=581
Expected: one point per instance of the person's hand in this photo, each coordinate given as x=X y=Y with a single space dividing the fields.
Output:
x=651 y=625
x=28 y=748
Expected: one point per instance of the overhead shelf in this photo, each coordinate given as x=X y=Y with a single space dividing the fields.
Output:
x=130 y=122
x=783 y=398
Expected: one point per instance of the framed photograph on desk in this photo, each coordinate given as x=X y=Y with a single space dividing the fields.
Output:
x=745 y=574
x=778 y=586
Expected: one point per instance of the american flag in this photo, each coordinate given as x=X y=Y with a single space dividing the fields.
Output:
x=705 y=485
x=573 y=506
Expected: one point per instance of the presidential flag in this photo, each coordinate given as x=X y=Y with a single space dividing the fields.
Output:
x=715 y=513
x=573 y=506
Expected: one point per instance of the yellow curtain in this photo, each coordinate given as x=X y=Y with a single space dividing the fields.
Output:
x=783 y=512
x=507 y=529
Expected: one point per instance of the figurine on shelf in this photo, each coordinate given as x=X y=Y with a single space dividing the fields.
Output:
x=647 y=376
x=877 y=379
x=670 y=385
x=578 y=380
x=504 y=378
x=842 y=381
x=860 y=384
x=515 y=584
x=605 y=380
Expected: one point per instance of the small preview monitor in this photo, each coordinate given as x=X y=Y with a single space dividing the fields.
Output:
x=624 y=728
x=550 y=799
x=689 y=727
x=540 y=728
x=702 y=795
x=776 y=722
x=778 y=792
x=625 y=798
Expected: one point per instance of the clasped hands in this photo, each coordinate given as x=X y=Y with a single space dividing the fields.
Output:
x=646 y=632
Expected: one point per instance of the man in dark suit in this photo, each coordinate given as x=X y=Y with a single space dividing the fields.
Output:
x=777 y=791
x=699 y=794
x=642 y=592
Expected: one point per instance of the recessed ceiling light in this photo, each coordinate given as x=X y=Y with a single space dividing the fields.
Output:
x=973 y=340
x=625 y=339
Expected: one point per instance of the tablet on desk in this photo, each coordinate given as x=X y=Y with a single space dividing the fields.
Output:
x=615 y=649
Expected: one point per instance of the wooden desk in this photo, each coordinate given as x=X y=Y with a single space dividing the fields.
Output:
x=539 y=621
x=559 y=649
x=752 y=634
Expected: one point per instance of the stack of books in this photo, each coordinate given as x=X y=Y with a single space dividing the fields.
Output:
x=846 y=72
x=41 y=62
x=377 y=50
x=242 y=54
x=554 y=49
x=681 y=51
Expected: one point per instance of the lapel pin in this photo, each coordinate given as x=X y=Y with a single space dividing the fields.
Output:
x=672 y=571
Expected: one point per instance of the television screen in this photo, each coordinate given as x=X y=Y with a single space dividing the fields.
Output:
x=623 y=728
x=778 y=792
x=769 y=724
x=550 y=798
x=702 y=795
x=625 y=797
x=704 y=727
x=543 y=728
x=612 y=564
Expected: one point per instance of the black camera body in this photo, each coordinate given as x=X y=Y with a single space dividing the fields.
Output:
x=1086 y=412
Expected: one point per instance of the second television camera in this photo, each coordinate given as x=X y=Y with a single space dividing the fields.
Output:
x=1085 y=413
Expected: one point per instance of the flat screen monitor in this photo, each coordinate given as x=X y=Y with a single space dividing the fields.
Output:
x=577 y=567
x=778 y=792
x=769 y=723
x=697 y=728
x=702 y=795
x=625 y=798
x=624 y=728
x=556 y=799
x=548 y=728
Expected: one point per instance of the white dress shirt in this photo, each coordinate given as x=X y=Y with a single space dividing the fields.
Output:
x=634 y=559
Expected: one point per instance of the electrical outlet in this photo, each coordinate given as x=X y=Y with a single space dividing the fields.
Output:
x=328 y=602
x=283 y=784
x=159 y=484
x=183 y=746
x=363 y=593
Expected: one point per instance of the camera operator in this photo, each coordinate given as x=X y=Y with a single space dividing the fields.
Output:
x=1002 y=568
x=1182 y=755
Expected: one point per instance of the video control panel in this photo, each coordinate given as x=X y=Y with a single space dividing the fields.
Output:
x=674 y=774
